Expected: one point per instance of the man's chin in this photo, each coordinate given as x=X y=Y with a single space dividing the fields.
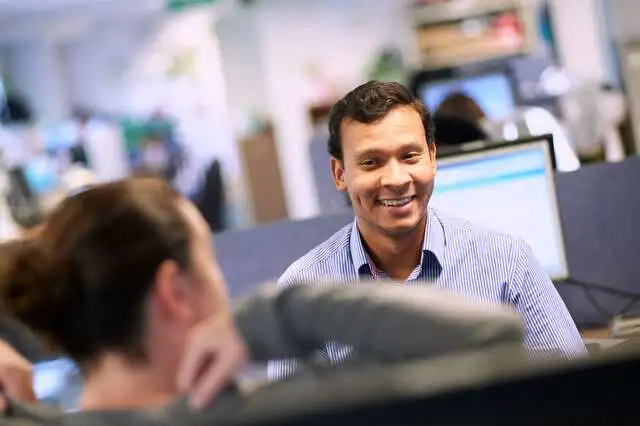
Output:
x=401 y=227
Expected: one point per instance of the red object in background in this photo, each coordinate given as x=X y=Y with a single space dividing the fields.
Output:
x=506 y=27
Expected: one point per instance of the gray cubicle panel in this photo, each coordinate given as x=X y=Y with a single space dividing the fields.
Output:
x=599 y=207
x=253 y=256
x=600 y=211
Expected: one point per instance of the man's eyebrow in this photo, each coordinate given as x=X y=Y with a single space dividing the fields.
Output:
x=368 y=152
x=404 y=147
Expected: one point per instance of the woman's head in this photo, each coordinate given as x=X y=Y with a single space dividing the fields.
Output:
x=459 y=105
x=125 y=268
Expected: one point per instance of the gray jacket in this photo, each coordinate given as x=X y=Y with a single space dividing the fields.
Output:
x=384 y=323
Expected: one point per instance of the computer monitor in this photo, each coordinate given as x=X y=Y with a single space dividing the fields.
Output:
x=58 y=382
x=492 y=91
x=41 y=174
x=508 y=188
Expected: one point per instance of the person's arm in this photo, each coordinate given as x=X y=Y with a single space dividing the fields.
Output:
x=16 y=379
x=381 y=321
x=279 y=369
x=548 y=326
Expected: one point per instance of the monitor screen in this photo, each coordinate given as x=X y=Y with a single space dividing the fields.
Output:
x=57 y=382
x=41 y=174
x=493 y=92
x=508 y=189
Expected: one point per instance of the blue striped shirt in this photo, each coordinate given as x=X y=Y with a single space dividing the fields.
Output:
x=485 y=265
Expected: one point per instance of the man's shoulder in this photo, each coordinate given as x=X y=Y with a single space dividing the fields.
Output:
x=324 y=260
x=464 y=233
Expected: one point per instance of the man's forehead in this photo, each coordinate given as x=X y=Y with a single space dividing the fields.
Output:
x=398 y=119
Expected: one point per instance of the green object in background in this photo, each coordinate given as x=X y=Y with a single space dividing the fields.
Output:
x=179 y=5
x=387 y=66
x=134 y=133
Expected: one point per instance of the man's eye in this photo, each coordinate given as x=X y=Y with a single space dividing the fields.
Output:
x=368 y=163
x=412 y=156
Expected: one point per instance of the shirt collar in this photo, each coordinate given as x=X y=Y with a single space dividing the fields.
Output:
x=434 y=242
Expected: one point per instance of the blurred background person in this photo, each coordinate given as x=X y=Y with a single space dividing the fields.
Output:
x=459 y=119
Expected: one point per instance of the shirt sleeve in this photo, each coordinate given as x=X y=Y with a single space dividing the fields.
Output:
x=548 y=325
x=280 y=369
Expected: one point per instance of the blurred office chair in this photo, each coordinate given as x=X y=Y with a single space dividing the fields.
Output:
x=23 y=340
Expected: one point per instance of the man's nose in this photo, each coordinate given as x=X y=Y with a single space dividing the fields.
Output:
x=395 y=175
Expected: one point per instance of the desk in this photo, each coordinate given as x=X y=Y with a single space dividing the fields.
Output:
x=602 y=339
x=597 y=333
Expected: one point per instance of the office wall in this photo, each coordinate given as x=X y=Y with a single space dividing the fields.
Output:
x=36 y=72
x=98 y=63
x=243 y=66
x=123 y=67
x=577 y=28
x=4 y=63
x=626 y=14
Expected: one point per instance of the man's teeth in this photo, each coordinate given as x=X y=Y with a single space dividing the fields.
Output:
x=396 y=203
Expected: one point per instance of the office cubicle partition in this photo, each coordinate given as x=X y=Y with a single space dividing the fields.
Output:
x=250 y=257
x=600 y=212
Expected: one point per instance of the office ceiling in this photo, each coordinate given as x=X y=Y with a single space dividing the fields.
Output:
x=14 y=7
x=24 y=20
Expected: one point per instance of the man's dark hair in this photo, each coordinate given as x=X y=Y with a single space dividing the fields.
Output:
x=371 y=102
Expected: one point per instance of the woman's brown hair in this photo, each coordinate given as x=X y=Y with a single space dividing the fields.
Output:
x=82 y=282
x=459 y=105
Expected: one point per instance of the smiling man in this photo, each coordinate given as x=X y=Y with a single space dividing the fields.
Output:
x=381 y=140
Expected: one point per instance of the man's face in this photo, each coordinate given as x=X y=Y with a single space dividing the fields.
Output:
x=388 y=171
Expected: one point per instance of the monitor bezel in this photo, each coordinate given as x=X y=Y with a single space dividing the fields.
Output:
x=474 y=150
x=481 y=146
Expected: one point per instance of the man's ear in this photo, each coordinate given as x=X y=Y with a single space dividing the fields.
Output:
x=337 y=172
x=432 y=155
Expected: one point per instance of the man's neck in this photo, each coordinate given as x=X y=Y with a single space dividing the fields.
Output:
x=118 y=384
x=398 y=255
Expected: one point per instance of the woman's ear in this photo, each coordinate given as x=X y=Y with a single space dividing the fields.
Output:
x=170 y=292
